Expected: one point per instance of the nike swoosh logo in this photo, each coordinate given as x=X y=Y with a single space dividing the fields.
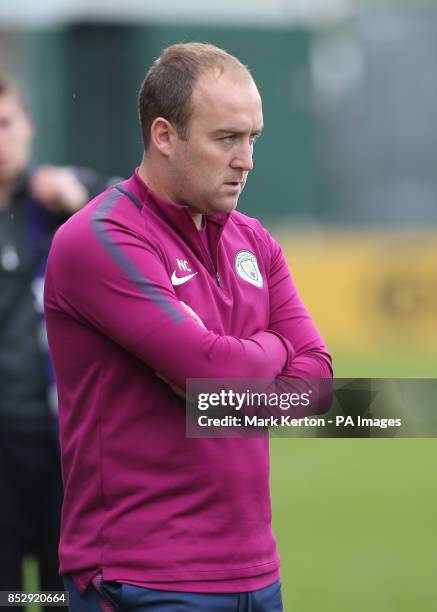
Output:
x=180 y=280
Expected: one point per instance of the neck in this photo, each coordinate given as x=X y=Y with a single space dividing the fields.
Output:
x=6 y=190
x=154 y=179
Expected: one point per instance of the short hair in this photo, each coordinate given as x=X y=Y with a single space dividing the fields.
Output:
x=9 y=86
x=168 y=85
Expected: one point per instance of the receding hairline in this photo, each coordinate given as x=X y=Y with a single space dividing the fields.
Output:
x=239 y=74
x=238 y=77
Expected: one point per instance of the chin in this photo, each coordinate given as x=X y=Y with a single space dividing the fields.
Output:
x=226 y=206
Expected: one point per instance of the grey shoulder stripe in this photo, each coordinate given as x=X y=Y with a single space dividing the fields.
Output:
x=130 y=196
x=143 y=284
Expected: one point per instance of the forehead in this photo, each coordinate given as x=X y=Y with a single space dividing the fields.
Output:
x=227 y=99
x=10 y=102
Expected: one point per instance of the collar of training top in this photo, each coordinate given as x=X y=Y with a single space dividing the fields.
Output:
x=176 y=214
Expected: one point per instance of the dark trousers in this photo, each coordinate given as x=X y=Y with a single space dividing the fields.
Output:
x=31 y=495
x=104 y=596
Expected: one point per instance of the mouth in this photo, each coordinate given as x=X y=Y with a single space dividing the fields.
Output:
x=233 y=187
x=234 y=183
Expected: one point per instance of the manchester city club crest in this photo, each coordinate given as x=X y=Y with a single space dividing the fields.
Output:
x=247 y=268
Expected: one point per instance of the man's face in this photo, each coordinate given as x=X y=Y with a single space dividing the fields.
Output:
x=210 y=168
x=15 y=137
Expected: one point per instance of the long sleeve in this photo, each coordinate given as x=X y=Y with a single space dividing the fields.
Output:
x=118 y=285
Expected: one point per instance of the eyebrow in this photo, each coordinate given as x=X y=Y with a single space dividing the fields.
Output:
x=232 y=130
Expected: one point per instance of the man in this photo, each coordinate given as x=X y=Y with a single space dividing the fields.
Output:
x=146 y=288
x=34 y=201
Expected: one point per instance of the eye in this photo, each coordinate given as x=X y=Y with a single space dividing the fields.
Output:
x=230 y=138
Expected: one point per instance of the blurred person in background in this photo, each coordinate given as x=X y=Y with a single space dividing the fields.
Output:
x=153 y=520
x=34 y=201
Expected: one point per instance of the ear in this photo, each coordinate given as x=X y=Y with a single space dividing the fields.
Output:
x=163 y=135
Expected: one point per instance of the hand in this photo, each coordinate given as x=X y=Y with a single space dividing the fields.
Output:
x=173 y=387
x=192 y=314
x=58 y=189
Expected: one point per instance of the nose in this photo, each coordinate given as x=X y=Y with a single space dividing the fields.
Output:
x=243 y=158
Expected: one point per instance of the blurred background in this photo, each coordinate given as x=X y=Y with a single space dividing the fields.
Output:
x=345 y=177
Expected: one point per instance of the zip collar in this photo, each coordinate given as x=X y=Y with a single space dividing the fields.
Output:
x=178 y=216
